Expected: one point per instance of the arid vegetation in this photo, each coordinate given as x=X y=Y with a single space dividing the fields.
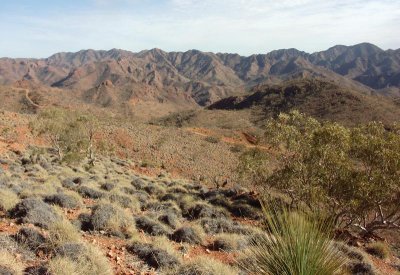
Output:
x=351 y=173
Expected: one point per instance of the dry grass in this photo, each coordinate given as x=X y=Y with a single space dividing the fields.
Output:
x=10 y=263
x=61 y=233
x=63 y=266
x=8 y=199
x=203 y=266
x=92 y=262
x=164 y=243
x=112 y=218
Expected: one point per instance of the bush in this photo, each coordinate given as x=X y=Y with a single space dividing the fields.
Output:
x=69 y=133
x=204 y=265
x=71 y=200
x=379 y=249
x=203 y=210
x=80 y=260
x=72 y=183
x=228 y=242
x=170 y=219
x=90 y=193
x=151 y=227
x=245 y=211
x=296 y=244
x=353 y=172
x=35 y=211
x=112 y=219
x=222 y=225
x=9 y=264
x=124 y=201
x=30 y=238
x=61 y=233
x=154 y=257
x=108 y=186
x=192 y=235
x=8 y=199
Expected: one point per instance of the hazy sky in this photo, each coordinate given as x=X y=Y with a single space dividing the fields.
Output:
x=40 y=28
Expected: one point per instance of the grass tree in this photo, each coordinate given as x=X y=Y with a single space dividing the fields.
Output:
x=296 y=243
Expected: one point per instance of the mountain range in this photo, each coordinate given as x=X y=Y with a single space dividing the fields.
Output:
x=118 y=78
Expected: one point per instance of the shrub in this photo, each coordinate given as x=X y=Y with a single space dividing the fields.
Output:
x=222 y=225
x=379 y=249
x=80 y=260
x=9 y=264
x=69 y=133
x=8 y=199
x=61 y=233
x=204 y=265
x=63 y=266
x=91 y=193
x=108 y=186
x=192 y=235
x=244 y=211
x=30 y=238
x=66 y=200
x=296 y=244
x=35 y=211
x=228 y=242
x=113 y=219
x=353 y=172
x=151 y=226
x=203 y=210
x=124 y=201
x=154 y=257
x=170 y=219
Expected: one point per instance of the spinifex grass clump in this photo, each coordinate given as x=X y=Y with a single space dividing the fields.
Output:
x=296 y=244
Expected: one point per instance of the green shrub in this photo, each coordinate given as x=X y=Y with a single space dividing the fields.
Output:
x=352 y=172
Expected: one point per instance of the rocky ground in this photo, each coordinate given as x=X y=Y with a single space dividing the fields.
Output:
x=124 y=217
x=52 y=213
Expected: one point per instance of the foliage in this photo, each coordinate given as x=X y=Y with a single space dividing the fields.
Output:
x=296 y=244
x=71 y=134
x=352 y=172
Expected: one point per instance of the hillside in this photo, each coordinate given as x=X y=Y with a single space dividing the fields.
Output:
x=316 y=97
x=196 y=78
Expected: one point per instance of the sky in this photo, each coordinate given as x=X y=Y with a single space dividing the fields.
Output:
x=40 y=28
